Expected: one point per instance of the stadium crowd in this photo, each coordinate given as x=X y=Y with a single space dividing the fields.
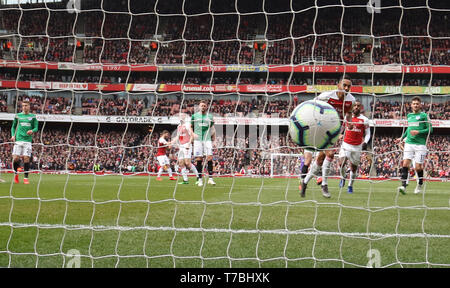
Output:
x=399 y=110
x=387 y=156
x=111 y=106
x=3 y=103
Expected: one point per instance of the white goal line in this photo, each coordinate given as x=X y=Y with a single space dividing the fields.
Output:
x=306 y=232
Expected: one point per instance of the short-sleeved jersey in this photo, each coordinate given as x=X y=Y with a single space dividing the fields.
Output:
x=202 y=124
x=342 y=106
x=420 y=122
x=22 y=124
x=162 y=146
x=184 y=135
x=355 y=136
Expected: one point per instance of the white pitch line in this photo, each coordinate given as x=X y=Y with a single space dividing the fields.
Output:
x=311 y=231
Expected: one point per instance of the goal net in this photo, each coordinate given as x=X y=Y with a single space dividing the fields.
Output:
x=106 y=78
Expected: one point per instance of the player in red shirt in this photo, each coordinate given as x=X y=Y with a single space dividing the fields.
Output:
x=184 y=141
x=163 y=160
x=342 y=101
x=355 y=141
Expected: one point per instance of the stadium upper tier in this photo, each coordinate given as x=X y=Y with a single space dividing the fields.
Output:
x=191 y=34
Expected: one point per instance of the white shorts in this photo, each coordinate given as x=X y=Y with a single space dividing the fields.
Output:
x=351 y=152
x=22 y=149
x=185 y=152
x=163 y=160
x=203 y=148
x=414 y=152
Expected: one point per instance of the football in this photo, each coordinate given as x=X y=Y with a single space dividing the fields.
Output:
x=314 y=124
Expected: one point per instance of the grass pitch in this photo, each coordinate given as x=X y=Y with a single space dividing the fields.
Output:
x=135 y=221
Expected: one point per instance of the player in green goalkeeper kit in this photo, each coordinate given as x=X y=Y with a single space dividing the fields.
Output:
x=23 y=127
x=415 y=148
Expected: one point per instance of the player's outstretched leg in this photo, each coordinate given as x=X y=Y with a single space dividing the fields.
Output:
x=302 y=178
x=419 y=189
x=194 y=170
x=169 y=169
x=350 y=189
x=326 y=166
x=319 y=181
x=325 y=171
x=351 y=181
x=160 y=171
x=308 y=159
x=303 y=189
x=342 y=183
x=353 y=175
x=184 y=172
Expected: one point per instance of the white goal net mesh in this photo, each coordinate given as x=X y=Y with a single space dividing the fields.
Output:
x=106 y=78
